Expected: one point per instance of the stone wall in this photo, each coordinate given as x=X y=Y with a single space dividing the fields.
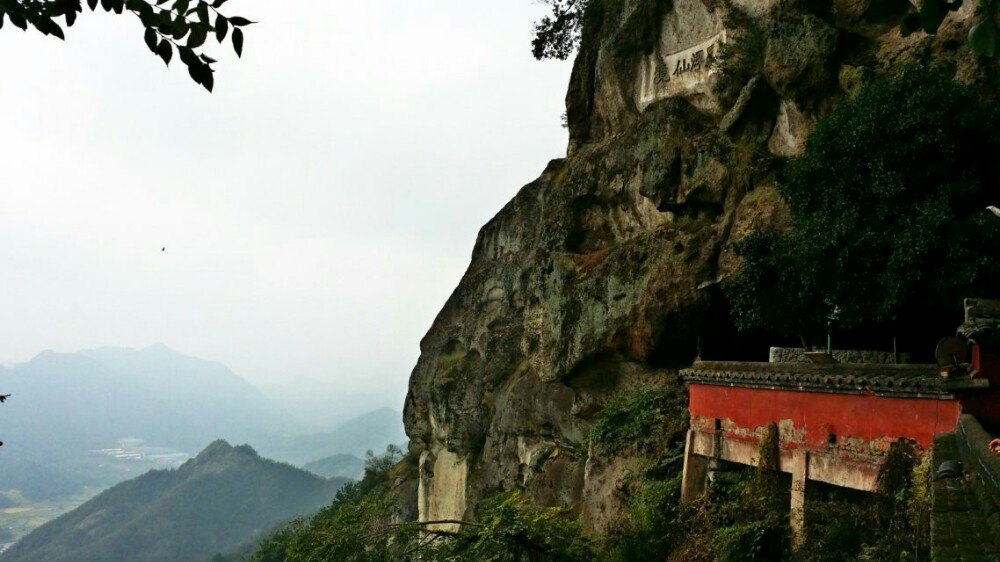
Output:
x=798 y=355
x=965 y=519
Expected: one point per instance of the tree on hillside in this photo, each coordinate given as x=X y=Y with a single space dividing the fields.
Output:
x=557 y=36
x=889 y=226
x=179 y=25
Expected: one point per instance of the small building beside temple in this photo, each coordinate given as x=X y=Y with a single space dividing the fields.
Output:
x=838 y=418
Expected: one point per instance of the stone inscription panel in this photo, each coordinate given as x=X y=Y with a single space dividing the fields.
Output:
x=679 y=73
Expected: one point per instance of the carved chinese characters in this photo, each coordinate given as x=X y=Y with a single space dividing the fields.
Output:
x=682 y=72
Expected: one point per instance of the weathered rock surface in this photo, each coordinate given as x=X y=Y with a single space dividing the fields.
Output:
x=603 y=274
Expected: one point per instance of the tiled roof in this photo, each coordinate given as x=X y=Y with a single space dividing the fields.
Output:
x=896 y=380
x=965 y=516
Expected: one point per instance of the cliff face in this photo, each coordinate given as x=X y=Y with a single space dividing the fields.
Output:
x=603 y=274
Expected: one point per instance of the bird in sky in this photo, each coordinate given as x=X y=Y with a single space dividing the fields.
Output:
x=4 y=397
x=163 y=249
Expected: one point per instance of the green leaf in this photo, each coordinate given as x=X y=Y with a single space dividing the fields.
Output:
x=151 y=39
x=203 y=13
x=165 y=23
x=187 y=56
x=181 y=6
x=145 y=11
x=218 y=3
x=209 y=79
x=983 y=38
x=149 y=18
x=197 y=37
x=165 y=52
x=239 y=21
x=18 y=20
x=221 y=26
x=1 y=19
x=195 y=73
x=200 y=72
x=92 y=4
x=180 y=29
x=238 y=41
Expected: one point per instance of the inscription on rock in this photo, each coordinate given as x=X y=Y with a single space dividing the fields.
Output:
x=682 y=72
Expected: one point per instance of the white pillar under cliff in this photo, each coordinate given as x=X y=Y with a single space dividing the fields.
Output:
x=441 y=489
x=695 y=471
x=800 y=474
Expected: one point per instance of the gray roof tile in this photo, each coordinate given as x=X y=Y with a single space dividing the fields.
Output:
x=896 y=380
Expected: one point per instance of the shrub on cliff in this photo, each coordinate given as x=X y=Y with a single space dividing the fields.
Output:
x=358 y=526
x=513 y=528
x=650 y=424
x=888 y=211
x=354 y=527
x=558 y=35
x=641 y=421
x=891 y=525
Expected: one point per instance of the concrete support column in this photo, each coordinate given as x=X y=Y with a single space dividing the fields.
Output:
x=800 y=474
x=695 y=471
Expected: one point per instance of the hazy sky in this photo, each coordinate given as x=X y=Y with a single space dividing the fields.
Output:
x=317 y=209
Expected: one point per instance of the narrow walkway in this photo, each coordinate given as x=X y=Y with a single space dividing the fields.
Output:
x=965 y=518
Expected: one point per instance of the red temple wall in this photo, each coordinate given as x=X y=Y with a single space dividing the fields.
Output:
x=819 y=414
x=985 y=405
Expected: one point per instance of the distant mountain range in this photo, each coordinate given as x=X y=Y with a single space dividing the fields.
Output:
x=88 y=398
x=213 y=503
x=368 y=432
x=338 y=466
x=64 y=406
x=77 y=423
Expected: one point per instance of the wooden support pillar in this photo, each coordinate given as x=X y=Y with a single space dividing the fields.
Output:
x=695 y=471
x=800 y=474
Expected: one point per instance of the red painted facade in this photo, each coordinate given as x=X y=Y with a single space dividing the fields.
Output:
x=865 y=417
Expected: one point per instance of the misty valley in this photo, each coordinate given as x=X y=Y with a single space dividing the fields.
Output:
x=88 y=430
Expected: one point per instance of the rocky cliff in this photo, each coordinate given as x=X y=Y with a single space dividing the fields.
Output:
x=604 y=274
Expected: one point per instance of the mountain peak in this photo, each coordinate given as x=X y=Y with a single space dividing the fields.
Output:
x=158 y=347
x=217 y=446
x=50 y=358
x=220 y=449
x=215 y=503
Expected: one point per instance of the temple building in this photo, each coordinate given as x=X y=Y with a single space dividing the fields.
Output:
x=839 y=414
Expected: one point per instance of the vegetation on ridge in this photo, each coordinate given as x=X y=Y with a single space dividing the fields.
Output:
x=359 y=526
x=214 y=502
x=557 y=36
x=888 y=206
